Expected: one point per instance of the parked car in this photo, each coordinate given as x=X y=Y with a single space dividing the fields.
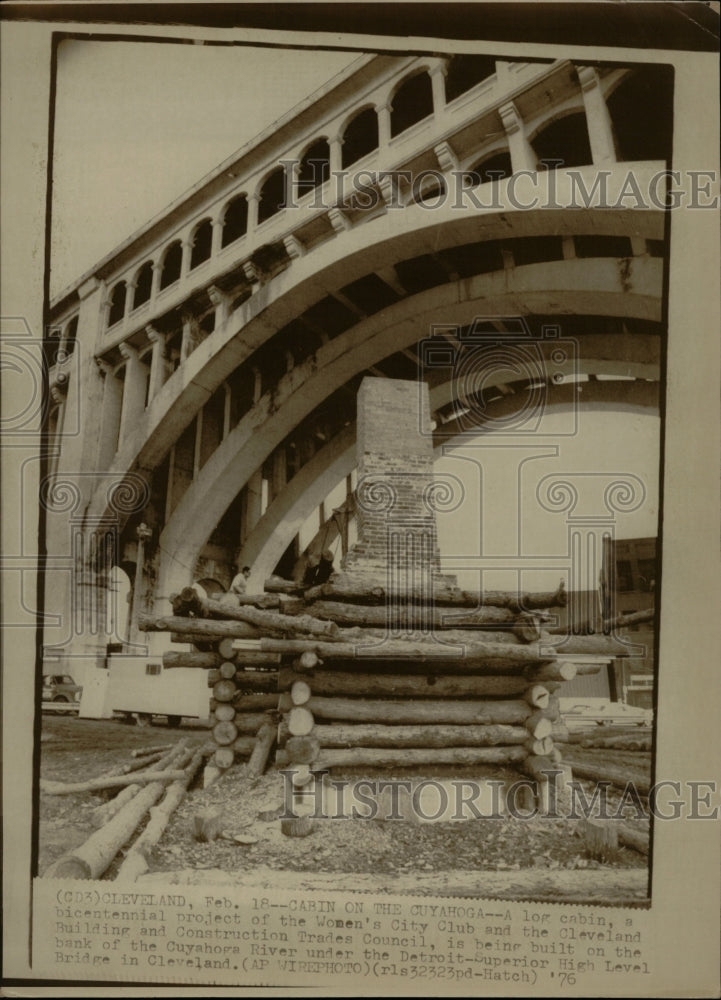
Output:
x=61 y=688
x=601 y=712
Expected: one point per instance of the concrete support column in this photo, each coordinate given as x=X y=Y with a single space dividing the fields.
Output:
x=335 y=157
x=292 y=172
x=438 y=83
x=254 y=501
x=109 y=416
x=522 y=155
x=384 y=125
x=217 y=242
x=133 y=391
x=185 y=260
x=157 y=361
x=598 y=119
x=157 y=271
x=253 y=203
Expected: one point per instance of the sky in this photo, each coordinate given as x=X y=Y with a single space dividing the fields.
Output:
x=138 y=123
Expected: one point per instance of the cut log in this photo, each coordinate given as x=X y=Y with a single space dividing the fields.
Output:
x=378 y=735
x=341 y=587
x=306 y=661
x=224 y=690
x=203 y=661
x=208 y=824
x=527 y=627
x=136 y=860
x=212 y=677
x=642 y=744
x=254 y=658
x=250 y=722
x=424 y=650
x=411 y=712
x=537 y=696
x=302 y=749
x=406 y=685
x=275 y=585
x=224 y=733
x=630 y=837
x=383 y=757
x=255 y=702
x=244 y=745
x=147 y=751
x=95 y=856
x=257 y=680
x=385 y=616
x=558 y=670
x=224 y=757
x=301 y=826
x=227 y=670
x=302 y=774
x=539 y=747
x=119 y=781
x=203 y=628
x=539 y=725
x=107 y=810
x=224 y=712
x=200 y=643
x=259 y=756
x=610 y=624
x=226 y=649
x=300 y=721
x=601 y=838
x=300 y=692
x=618 y=776
x=542 y=768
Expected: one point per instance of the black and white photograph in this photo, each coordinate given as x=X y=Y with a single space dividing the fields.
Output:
x=361 y=540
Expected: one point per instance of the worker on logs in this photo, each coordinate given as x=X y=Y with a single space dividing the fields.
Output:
x=240 y=582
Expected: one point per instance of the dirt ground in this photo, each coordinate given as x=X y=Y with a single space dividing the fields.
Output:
x=74 y=749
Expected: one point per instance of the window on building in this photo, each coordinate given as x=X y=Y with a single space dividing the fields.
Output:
x=412 y=102
x=202 y=243
x=143 y=284
x=360 y=137
x=314 y=168
x=272 y=195
x=171 y=265
x=235 y=221
x=565 y=139
x=117 y=303
x=465 y=72
x=493 y=168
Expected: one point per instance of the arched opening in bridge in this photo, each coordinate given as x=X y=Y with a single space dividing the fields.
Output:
x=272 y=195
x=143 y=284
x=641 y=110
x=564 y=139
x=412 y=102
x=202 y=243
x=465 y=71
x=493 y=168
x=235 y=221
x=360 y=137
x=428 y=188
x=117 y=303
x=172 y=263
x=314 y=167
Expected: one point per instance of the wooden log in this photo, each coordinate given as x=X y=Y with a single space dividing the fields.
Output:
x=147 y=751
x=243 y=746
x=420 y=651
x=406 y=685
x=255 y=702
x=558 y=670
x=136 y=860
x=276 y=585
x=226 y=648
x=201 y=661
x=592 y=741
x=539 y=725
x=227 y=670
x=213 y=614
x=106 y=811
x=413 y=712
x=213 y=676
x=224 y=733
x=600 y=838
x=259 y=756
x=539 y=747
x=537 y=696
x=300 y=721
x=385 y=757
x=254 y=658
x=257 y=680
x=224 y=690
x=631 y=837
x=609 y=624
x=618 y=776
x=250 y=722
x=344 y=587
x=302 y=774
x=302 y=749
x=301 y=826
x=527 y=627
x=413 y=615
x=197 y=627
x=300 y=692
x=378 y=735
x=224 y=757
x=200 y=643
x=118 y=781
x=224 y=712
x=306 y=661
